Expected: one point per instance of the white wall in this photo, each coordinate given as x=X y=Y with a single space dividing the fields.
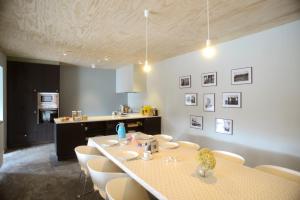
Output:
x=2 y=107
x=270 y=113
x=91 y=90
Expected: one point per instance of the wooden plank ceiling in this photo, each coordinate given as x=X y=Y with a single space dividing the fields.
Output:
x=91 y=30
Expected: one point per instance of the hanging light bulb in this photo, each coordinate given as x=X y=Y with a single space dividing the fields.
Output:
x=147 y=67
x=209 y=51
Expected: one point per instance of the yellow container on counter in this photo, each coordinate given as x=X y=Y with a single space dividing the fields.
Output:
x=147 y=110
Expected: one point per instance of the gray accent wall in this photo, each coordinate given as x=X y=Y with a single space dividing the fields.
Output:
x=266 y=130
x=93 y=91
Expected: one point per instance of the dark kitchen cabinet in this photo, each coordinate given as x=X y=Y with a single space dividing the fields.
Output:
x=152 y=126
x=67 y=137
x=24 y=81
x=70 y=135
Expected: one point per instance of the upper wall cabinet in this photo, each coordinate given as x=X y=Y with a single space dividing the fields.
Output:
x=130 y=79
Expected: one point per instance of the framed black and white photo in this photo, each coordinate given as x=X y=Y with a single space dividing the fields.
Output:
x=185 y=81
x=241 y=76
x=209 y=79
x=224 y=126
x=209 y=102
x=196 y=122
x=232 y=100
x=190 y=99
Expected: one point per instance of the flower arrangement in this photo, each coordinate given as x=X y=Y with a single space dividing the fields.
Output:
x=206 y=160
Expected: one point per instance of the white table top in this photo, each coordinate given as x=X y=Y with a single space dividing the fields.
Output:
x=178 y=180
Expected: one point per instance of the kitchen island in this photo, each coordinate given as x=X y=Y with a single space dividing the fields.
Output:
x=69 y=134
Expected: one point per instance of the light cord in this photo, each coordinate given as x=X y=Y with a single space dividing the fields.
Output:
x=146 y=38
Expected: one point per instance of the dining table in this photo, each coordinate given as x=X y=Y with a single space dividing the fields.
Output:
x=172 y=173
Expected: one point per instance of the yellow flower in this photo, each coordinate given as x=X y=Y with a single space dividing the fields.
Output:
x=206 y=159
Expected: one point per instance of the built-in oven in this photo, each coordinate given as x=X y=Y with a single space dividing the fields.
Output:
x=48 y=107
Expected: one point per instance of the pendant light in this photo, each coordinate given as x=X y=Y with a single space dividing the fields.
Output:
x=209 y=51
x=147 y=67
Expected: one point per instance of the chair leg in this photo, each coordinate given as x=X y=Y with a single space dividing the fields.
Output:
x=83 y=191
x=80 y=176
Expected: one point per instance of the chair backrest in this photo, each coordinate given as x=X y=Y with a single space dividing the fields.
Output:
x=229 y=156
x=125 y=189
x=102 y=170
x=189 y=145
x=85 y=153
x=280 y=171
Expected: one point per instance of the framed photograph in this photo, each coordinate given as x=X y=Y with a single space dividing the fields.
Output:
x=232 y=100
x=224 y=126
x=191 y=99
x=185 y=81
x=209 y=79
x=209 y=102
x=196 y=122
x=241 y=76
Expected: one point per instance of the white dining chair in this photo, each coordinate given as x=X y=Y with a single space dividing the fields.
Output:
x=125 y=189
x=102 y=170
x=229 y=156
x=84 y=154
x=280 y=171
x=187 y=144
x=163 y=137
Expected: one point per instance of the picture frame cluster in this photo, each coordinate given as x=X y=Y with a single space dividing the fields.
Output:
x=239 y=76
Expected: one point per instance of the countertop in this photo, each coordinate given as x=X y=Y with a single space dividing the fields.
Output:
x=103 y=118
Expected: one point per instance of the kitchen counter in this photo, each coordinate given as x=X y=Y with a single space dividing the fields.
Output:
x=70 y=134
x=104 y=118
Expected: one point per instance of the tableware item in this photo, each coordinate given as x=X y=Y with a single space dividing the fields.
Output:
x=109 y=143
x=151 y=145
x=127 y=155
x=162 y=137
x=120 y=128
x=124 y=142
x=169 y=145
x=147 y=155
x=114 y=113
x=74 y=114
x=84 y=117
x=143 y=137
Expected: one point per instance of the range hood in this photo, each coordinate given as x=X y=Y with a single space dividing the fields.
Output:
x=130 y=79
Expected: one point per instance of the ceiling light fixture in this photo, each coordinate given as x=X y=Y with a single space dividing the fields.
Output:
x=106 y=58
x=93 y=66
x=65 y=54
x=209 y=51
x=147 y=67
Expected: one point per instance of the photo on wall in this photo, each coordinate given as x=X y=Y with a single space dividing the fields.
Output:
x=241 y=76
x=191 y=99
x=209 y=79
x=185 y=81
x=232 y=100
x=196 y=122
x=224 y=126
x=209 y=102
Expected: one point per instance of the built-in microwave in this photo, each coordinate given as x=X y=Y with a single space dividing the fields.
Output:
x=48 y=107
x=48 y=100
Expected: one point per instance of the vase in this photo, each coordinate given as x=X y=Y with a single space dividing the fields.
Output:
x=202 y=171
